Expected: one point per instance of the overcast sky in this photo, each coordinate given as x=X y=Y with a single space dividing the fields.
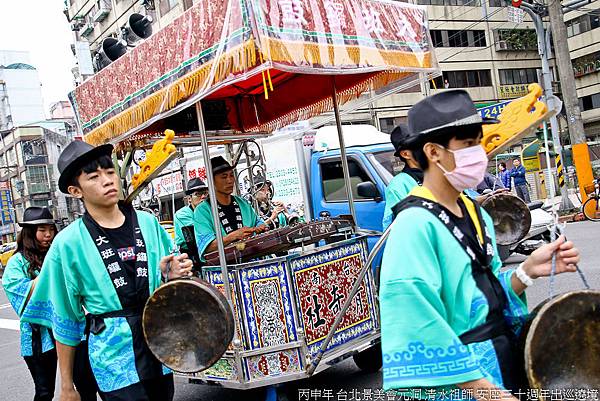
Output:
x=40 y=27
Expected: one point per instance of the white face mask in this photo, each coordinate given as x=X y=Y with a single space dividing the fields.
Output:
x=471 y=164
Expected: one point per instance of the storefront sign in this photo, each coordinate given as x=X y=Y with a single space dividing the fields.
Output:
x=512 y=91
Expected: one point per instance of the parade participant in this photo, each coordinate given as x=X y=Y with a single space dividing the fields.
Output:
x=19 y=279
x=518 y=173
x=238 y=219
x=108 y=263
x=410 y=176
x=196 y=192
x=272 y=212
x=449 y=316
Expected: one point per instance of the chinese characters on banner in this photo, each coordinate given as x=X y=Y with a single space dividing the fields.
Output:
x=6 y=204
x=366 y=18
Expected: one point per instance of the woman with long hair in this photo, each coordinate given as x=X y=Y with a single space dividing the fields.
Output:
x=37 y=344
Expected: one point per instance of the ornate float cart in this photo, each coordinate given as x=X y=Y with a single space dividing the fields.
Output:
x=228 y=71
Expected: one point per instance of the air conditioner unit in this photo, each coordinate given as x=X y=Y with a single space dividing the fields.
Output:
x=502 y=45
x=104 y=8
x=87 y=29
x=76 y=26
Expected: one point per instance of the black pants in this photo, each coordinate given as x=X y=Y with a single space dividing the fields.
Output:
x=83 y=377
x=43 y=372
x=160 y=389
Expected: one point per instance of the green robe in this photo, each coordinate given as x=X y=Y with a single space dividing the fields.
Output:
x=17 y=284
x=205 y=229
x=183 y=218
x=74 y=277
x=397 y=190
x=428 y=274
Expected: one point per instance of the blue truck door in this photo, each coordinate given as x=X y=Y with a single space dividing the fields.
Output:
x=329 y=192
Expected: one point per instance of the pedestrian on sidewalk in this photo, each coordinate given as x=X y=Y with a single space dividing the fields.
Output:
x=518 y=174
x=504 y=175
x=108 y=262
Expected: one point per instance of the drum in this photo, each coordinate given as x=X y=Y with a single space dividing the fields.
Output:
x=562 y=345
x=188 y=325
x=511 y=217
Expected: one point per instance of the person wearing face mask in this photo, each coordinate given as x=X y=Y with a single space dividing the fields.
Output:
x=449 y=317
x=410 y=176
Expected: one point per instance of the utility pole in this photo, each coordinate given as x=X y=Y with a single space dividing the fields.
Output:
x=581 y=156
x=536 y=11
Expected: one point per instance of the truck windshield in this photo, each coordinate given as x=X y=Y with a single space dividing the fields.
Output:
x=388 y=164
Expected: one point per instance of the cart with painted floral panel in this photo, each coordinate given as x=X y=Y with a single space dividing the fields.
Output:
x=225 y=72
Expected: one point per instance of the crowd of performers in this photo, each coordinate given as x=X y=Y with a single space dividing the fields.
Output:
x=449 y=316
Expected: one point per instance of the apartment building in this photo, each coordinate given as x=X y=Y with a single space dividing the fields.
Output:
x=28 y=159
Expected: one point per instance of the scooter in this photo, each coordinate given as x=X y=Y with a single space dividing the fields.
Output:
x=538 y=235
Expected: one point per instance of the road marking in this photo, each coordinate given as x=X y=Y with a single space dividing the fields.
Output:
x=4 y=306
x=10 y=324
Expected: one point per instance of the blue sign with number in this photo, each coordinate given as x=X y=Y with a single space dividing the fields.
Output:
x=492 y=111
x=6 y=206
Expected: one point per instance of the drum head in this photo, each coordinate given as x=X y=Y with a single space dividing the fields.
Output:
x=188 y=325
x=562 y=349
x=511 y=217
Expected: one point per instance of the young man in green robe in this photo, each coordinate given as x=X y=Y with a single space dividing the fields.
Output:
x=108 y=262
x=238 y=219
x=410 y=176
x=196 y=192
x=449 y=316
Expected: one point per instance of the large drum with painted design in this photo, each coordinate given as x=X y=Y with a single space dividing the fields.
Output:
x=188 y=325
x=562 y=347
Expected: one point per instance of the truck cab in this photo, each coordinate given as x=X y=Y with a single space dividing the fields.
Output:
x=371 y=164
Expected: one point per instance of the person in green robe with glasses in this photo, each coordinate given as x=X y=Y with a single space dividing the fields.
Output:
x=238 y=218
x=106 y=263
x=449 y=316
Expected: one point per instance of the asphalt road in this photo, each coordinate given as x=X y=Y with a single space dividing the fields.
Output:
x=343 y=379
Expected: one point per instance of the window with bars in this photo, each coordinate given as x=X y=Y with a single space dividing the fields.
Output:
x=472 y=3
x=583 y=23
x=463 y=79
x=37 y=179
x=517 y=76
x=589 y=102
x=166 y=5
x=458 y=38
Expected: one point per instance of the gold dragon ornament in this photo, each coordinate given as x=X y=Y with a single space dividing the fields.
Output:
x=162 y=152
x=521 y=117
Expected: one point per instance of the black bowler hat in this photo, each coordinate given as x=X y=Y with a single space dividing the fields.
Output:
x=402 y=138
x=442 y=111
x=195 y=184
x=220 y=165
x=75 y=155
x=34 y=216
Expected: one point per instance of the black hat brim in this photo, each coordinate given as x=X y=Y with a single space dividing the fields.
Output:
x=35 y=222
x=93 y=154
x=221 y=169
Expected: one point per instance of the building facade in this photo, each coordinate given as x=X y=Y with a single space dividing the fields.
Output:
x=28 y=160
x=20 y=90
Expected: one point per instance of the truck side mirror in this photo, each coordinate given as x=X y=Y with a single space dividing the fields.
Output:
x=368 y=190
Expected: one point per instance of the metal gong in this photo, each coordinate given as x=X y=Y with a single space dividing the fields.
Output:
x=511 y=217
x=562 y=347
x=188 y=325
